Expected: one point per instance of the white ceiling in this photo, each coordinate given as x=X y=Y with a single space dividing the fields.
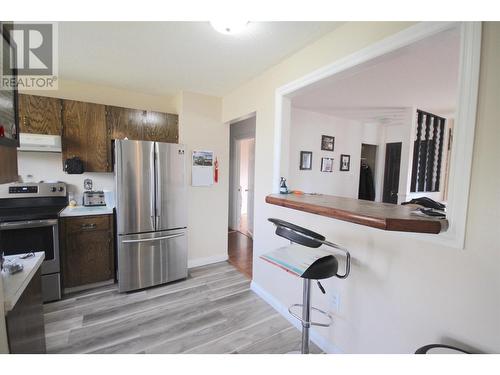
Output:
x=163 y=58
x=423 y=74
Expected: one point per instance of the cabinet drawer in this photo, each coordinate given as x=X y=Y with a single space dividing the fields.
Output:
x=88 y=223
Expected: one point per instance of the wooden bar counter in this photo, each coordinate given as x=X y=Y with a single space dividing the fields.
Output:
x=372 y=214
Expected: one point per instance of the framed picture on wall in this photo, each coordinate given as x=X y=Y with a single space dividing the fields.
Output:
x=305 y=160
x=327 y=143
x=326 y=164
x=345 y=162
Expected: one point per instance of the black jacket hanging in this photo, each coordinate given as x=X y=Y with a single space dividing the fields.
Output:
x=366 y=185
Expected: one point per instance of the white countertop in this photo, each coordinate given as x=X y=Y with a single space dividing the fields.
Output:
x=14 y=285
x=86 y=211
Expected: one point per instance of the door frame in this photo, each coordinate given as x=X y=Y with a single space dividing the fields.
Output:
x=465 y=121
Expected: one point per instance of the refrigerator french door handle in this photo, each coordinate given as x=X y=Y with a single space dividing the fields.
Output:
x=157 y=188
x=154 y=239
x=152 y=199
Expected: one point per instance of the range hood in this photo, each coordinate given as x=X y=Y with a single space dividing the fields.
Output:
x=39 y=142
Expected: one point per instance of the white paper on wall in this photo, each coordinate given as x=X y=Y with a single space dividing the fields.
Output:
x=202 y=172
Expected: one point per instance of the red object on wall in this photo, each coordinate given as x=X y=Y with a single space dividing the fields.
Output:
x=216 y=171
x=2 y=131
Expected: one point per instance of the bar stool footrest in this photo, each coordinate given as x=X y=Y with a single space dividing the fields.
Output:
x=330 y=318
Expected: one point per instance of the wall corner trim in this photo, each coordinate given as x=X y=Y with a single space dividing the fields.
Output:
x=318 y=339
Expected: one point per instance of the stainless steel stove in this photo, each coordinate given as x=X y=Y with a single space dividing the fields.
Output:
x=29 y=223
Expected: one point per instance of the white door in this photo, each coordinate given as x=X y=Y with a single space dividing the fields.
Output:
x=251 y=179
x=237 y=194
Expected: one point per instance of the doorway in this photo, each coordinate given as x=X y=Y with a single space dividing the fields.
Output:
x=391 y=172
x=241 y=194
x=245 y=149
x=367 y=189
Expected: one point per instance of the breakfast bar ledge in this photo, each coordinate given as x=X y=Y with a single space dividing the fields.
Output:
x=383 y=216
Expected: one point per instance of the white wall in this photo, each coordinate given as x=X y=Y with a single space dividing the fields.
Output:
x=403 y=292
x=48 y=166
x=202 y=129
x=306 y=129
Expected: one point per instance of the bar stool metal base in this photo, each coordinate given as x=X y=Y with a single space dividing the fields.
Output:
x=306 y=315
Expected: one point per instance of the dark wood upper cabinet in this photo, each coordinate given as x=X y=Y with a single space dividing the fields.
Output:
x=161 y=127
x=87 y=129
x=39 y=115
x=142 y=125
x=87 y=250
x=85 y=135
x=125 y=123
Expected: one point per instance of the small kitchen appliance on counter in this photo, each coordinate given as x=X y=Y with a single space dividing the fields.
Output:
x=93 y=198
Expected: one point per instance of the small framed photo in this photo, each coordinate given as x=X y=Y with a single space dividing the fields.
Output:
x=327 y=143
x=306 y=160
x=345 y=162
x=326 y=164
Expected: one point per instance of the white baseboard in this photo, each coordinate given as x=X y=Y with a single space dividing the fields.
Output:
x=319 y=340
x=208 y=260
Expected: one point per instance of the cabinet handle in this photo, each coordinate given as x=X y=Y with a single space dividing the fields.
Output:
x=88 y=226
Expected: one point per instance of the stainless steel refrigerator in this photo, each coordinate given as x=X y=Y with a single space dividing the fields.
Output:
x=151 y=213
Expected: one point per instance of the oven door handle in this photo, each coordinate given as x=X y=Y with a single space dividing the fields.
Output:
x=28 y=224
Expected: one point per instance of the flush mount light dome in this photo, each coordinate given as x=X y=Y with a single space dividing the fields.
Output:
x=229 y=27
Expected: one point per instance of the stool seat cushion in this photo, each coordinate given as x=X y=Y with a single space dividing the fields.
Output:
x=297 y=234
x=322 y=268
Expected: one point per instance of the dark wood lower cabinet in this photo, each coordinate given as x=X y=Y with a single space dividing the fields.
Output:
x=25 y=324
x=87 y=250
x=8 y=164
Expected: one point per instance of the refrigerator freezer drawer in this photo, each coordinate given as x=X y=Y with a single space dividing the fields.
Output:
x=150 y=259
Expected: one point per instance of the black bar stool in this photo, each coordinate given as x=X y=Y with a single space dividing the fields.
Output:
x=322 y=268
x=440 y=349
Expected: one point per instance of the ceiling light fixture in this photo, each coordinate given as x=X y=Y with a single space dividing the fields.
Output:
x=229 y=27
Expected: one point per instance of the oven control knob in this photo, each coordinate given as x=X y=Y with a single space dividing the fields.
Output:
x=61 y=189
x=53 y=189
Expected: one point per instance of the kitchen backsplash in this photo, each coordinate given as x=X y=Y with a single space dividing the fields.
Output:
x=38 y=166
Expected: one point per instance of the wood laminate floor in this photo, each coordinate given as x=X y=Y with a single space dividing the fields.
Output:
x=240 y=252
x=213 y=311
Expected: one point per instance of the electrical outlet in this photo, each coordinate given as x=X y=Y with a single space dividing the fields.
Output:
x=334 y=301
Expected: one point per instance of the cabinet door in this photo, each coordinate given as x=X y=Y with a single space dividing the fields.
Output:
x=161 y=127
x=8 y=164
x=85 y=135
x=25 y=326
x=88 y=251
x=39 y=115
x=125 y=123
